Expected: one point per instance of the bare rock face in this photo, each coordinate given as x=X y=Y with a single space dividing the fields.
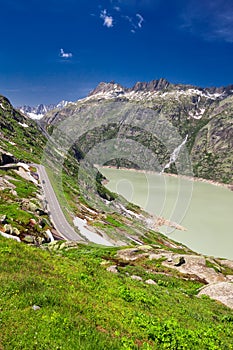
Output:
x=222 y=291
x=226 y=263
x=194 y=265
x=212 y=150
x=106 y=87
x=153 y=85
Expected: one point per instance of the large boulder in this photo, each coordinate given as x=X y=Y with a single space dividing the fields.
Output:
x=194 y=265
x=222 y=291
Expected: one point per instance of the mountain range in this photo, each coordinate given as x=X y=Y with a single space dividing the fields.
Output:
x=201 y=116
x=40 y=110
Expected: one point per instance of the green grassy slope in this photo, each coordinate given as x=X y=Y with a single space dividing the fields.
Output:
x=83 y=306
x=19 y=135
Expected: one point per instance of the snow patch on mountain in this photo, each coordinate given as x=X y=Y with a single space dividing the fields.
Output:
x=39 y=111
x=150 y=91
x=1 y=105
x=23 y=125
x=197 y=114
x=33 y=115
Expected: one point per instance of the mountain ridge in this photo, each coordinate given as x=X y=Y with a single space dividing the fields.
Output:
x=204 y=114
x=37 y=112
x=157 y=85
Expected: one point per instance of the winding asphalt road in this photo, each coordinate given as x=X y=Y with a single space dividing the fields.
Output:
x=58 y=218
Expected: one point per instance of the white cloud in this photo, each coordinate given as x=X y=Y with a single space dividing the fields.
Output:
x=135 y=20
x=140 y=20
x=108 y=20
x=135 y=25
x=65 y=54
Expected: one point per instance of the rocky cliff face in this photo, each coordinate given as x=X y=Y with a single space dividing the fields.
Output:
x=204 y=114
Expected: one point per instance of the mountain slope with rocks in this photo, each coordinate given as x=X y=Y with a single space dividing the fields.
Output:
x=143 y=297
x=203 y=115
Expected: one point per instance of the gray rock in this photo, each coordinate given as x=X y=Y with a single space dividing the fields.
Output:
x=68 y=245
x=195 y=265
x=8 y=229
x=222 y=291
x=15 y=231
x=13 y=192
x=36 y=307
x=227 y=263
x=112 y=269
x=2 y=218
x=136 y=278
x=150 y=282
x=54 y=245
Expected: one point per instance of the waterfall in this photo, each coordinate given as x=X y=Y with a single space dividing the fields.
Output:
x=175 y=154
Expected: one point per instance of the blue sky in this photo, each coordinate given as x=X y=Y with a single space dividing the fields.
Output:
x=61 y=49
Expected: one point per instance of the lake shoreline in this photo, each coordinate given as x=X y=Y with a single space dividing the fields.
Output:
x=206 y=212
x=190 y=178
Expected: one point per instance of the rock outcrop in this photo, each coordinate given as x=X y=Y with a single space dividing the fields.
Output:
x=210 y=272
x=221 y=291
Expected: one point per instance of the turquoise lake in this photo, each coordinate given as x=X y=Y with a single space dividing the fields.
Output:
x=205 y=210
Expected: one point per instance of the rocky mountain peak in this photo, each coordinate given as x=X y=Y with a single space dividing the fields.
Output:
x=39 y=111
x=153 y=85
x=115 y=90
x=106 y=87
x=220 y=90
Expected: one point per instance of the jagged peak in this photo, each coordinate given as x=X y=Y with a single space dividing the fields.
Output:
x=152 y=85
x=5 y=100
x=106 y=87
x=157 y=85
x=222 y=89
